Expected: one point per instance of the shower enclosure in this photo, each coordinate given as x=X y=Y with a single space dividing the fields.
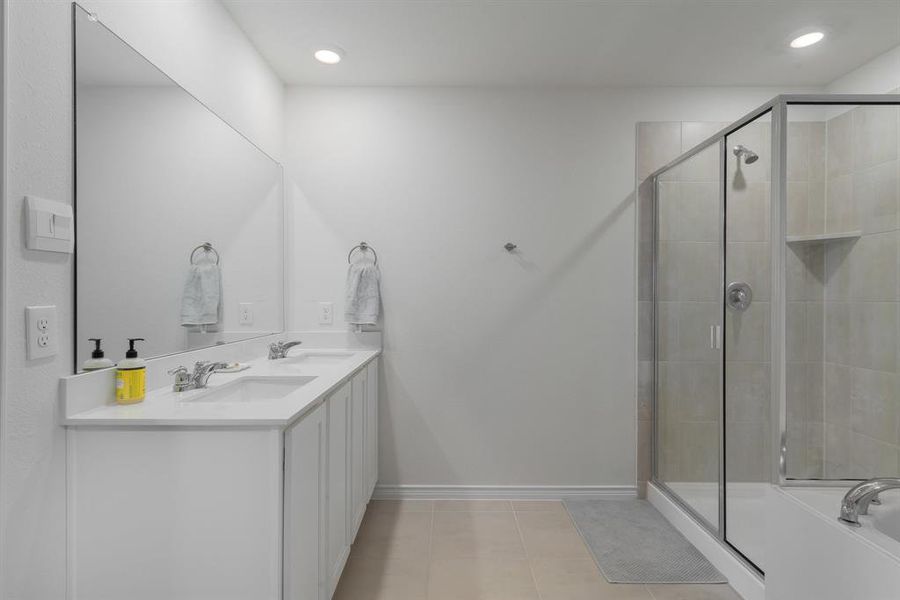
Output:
x=769 y=253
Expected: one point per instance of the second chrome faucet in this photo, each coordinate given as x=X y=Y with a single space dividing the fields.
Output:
x=280 y=349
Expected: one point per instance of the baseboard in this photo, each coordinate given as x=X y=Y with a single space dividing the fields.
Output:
x=742 y=578
x=505 y=492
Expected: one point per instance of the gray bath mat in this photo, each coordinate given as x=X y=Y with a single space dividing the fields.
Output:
x=633 y=543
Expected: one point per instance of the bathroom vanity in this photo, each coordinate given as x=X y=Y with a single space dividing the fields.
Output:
x=252 y=488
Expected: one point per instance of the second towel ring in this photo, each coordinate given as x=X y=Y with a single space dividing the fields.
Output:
x=206 y=247
x=364 y=247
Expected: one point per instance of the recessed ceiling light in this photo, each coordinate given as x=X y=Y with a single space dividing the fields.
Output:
x=329 y=56
x=807 y=39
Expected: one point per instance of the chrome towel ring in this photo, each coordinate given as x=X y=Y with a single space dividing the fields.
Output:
x=206 y=247
x=364 y=247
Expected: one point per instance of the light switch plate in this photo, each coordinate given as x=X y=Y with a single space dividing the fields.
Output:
x=41 y=332
x=326 y=313
x=49 y=225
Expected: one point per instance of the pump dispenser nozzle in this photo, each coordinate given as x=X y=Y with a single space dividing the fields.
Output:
x=132 y=353
x=97 y=352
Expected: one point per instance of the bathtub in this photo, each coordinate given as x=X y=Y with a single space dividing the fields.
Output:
x=811 y=555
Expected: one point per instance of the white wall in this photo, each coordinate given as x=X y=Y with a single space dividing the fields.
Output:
x=197 y=42
x=499 y=369
x=878 y=76
x=192 y=179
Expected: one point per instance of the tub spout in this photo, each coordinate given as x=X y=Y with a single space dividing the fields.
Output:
x=857 y=500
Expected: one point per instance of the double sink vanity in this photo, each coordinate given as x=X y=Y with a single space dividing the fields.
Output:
x=222 y=483
x=251 y=487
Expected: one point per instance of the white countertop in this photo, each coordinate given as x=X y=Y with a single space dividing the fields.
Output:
x=165 y=408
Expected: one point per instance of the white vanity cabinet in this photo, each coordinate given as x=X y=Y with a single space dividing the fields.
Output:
x=305 y=506
x=338 y=484
x=232 y=513
x=359 y=495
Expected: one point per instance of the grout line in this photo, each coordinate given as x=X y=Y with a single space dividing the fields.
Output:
x=525 y=549
x=430 y=552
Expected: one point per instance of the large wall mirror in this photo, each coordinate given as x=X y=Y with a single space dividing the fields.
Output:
x=179 y=217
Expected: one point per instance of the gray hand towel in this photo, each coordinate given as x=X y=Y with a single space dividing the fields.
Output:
x=363 y=301
x=202 y=297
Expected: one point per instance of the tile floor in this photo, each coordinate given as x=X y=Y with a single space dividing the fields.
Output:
x=485 y=550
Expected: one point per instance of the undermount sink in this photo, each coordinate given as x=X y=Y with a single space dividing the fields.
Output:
x=253 y=389
x=317 y=358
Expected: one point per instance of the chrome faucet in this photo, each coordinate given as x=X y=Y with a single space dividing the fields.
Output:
x=280 y=349
x=857 y=500
x=184 y=380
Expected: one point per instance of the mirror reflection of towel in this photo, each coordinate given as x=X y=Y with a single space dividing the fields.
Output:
x=201 y=301
x=363 y=301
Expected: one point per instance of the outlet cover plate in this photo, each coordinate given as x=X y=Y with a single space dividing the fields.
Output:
x=326 y=313
x=41 y=332
x=245 y=313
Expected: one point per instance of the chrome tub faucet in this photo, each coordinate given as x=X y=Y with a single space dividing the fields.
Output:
x=857 y=500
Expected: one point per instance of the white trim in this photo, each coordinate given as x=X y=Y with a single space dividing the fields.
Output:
x=744 y=580
x=4 y=289
x=506 y=492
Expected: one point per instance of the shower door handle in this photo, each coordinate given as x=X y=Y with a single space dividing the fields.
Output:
x=715 y=337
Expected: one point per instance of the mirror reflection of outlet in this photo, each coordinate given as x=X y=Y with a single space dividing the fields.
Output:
x=326 y=313
x=245 y=313
x=41 y=332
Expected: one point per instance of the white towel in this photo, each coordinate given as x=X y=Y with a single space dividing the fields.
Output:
x=363 y=300
x=201 y=301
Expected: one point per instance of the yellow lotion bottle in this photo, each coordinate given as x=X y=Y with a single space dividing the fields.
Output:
x=131 y=376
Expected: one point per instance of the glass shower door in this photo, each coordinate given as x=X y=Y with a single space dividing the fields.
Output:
x=747 y=345
x=688 y=313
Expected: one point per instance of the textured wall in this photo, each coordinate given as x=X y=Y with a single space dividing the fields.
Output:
x=198 y=41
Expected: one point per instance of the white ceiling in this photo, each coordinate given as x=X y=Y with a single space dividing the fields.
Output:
x=567 y=42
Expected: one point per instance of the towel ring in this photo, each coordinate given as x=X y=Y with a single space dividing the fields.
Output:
x=206 y=247
x=363 y=247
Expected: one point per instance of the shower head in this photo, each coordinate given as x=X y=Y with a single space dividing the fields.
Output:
x=749 y=155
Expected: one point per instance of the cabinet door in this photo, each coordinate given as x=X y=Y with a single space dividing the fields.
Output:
x=305 y=478
x=371 y=427
x=338 y=405
x=358 y=452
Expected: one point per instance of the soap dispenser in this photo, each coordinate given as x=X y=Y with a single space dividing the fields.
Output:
x=97 y=361
x=131 y=376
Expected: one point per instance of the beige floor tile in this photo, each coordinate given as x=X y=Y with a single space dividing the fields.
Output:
x=538 y=505
x=471 y=505
x=379 y=506
x=383 y=579
x=480 y=579
x=579 y=579
x=550 y=535
x=693 y=592
x=476 y=535
x=394 y=534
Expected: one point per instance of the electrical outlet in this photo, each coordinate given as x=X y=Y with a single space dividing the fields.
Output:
x=40 y=332
x=245 y=312
x=326 y=313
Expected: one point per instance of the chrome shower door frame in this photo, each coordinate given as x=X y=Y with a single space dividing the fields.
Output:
x=778 y=107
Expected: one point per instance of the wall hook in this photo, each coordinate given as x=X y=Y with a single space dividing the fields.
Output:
x=509 y=246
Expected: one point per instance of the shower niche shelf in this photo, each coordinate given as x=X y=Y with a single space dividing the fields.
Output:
x=822 y=237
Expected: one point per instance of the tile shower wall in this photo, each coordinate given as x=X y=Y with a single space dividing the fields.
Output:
x=805 y=266
x=861 y=408
x=689 y=373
